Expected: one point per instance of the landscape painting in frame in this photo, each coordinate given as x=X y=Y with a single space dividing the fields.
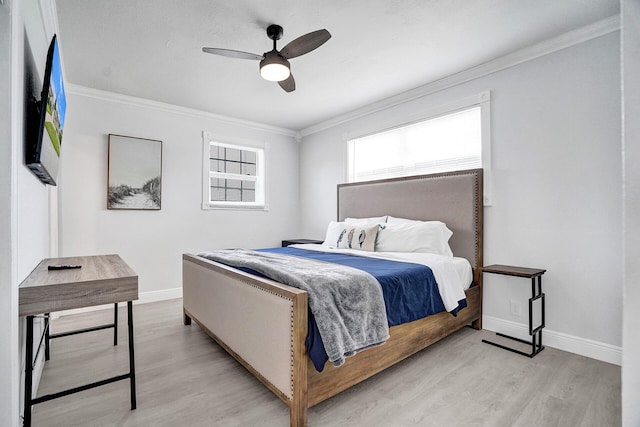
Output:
x=135 y=173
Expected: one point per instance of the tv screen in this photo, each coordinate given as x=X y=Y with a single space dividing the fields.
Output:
x=43 y=152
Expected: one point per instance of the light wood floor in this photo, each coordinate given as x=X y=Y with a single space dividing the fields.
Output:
x=185 y=379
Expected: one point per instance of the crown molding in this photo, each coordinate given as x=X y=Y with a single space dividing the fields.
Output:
x=49 y=17
x=563 y=41
x=174 y=109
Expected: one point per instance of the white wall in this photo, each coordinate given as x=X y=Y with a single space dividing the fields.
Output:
x=556 y=188
x=152 y=242
x=9 y=364
x=33 y=208
x=631 y=224
x=32 y=195
x=25 y=208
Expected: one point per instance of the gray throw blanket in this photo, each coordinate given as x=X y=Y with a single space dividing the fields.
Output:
x=347 y=303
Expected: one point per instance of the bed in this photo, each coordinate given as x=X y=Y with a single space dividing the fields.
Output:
x=263 y=323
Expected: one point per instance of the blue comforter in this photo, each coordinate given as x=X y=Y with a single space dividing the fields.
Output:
x=410 y=291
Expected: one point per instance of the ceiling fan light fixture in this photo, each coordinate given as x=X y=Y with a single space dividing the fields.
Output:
x=274 y=67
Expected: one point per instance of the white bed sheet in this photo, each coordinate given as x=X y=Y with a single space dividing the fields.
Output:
x=453 y=274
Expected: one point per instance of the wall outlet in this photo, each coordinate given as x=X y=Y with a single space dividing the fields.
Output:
x=516 y=308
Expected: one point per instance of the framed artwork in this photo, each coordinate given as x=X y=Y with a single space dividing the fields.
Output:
x=134 y=173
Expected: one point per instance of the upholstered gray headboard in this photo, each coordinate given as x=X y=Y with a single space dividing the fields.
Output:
x=455 y=198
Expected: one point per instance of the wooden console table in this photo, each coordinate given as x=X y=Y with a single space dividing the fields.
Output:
x=102 y=279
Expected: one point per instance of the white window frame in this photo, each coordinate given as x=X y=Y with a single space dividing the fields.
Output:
x=482 y=100
x=260 y=148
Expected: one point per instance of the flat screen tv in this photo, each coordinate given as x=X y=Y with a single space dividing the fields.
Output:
x=43 y=150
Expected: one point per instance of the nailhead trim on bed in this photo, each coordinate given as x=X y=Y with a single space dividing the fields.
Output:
x=291 y=361
x=290 y=394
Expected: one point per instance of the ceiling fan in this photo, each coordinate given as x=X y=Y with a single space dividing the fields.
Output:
x=274 y=65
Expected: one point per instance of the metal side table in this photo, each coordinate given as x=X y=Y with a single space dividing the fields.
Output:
x=536 y=294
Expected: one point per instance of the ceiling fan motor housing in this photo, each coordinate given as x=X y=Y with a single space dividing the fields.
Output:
x=274 y=32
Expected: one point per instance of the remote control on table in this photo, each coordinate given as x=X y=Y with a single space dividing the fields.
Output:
x=63 y=267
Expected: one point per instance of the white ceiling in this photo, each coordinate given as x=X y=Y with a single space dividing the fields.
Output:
x=152 y=49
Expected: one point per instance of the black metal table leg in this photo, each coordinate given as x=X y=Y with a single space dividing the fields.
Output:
x=536 y=333
x=533 y=295
x=29 y=402
x=132 y=368
x=47 y=336
x=28 y=374
x=115 y=324
x=542 y=311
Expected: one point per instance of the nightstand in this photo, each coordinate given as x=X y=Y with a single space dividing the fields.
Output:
x=286 y=243
x=536 y=294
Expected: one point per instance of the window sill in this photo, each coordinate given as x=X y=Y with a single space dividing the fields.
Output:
x=236 y=207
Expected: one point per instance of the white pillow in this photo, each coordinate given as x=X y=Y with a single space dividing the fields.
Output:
x=363 y=222
x=347 y=236
x=331 y=236
x=396 y=220
x=414 y=236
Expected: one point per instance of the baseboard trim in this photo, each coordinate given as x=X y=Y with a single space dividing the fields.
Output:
x=143 y=298
x=582 y=346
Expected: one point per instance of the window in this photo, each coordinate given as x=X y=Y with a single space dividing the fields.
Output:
x=451 y=138
x=234 y=174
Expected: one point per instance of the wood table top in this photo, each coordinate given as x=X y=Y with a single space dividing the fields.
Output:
x=511 y=270
x=102 y=279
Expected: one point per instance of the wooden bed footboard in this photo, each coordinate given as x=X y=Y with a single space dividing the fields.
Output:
x=263 y=325
x=260 y=322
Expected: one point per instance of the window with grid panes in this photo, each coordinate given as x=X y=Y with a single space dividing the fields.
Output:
x=234 y=175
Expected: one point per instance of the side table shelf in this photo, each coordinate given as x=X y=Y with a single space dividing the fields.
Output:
x=288 y=242
x=536 y=294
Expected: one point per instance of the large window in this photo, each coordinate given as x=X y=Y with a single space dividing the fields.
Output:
x=454 y=137
x=234 y=174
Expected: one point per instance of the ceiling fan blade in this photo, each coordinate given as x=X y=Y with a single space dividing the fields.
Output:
x=232 y=53
x=305 y=44
x=289 y=84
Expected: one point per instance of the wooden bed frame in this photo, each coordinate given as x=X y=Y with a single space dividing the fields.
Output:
x=263 y=323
